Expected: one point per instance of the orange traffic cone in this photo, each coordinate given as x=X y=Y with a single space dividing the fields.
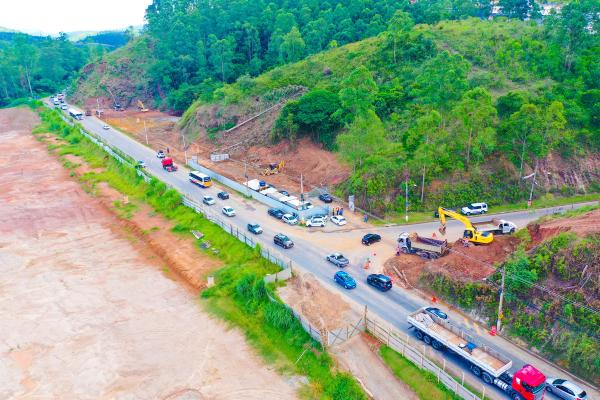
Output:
x=433 y=299
x=433 y=235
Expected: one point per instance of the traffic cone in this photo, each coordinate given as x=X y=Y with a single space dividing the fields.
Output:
x=433 y=235
x=433 y=299
x=493 y=331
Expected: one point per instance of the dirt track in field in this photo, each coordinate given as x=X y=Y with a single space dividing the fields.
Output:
x=86 y=312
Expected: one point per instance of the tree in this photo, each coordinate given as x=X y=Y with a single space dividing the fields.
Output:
x=442 y=80
x=521 y=9
x=220 y=55
x=476 y=117
x=400 y=24
x=574 y=28
x=315 y=112
x=364 y=136
x=358 y=93
x=427 y=141
x=292 y=47
x=523 y=127
x=26 y=56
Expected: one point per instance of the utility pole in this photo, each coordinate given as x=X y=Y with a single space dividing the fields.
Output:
x=184 y=148
x=146 y=132
x=500 y=315
x=532 y=184
x=406 y=196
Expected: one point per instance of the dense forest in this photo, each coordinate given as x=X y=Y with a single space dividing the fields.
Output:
x=31 y=66
x=200 y=44
x=480 y=102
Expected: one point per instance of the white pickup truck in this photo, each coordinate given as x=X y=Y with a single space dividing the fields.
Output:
x=496 y=226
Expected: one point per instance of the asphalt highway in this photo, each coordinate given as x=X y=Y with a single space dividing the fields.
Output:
x=311 y=246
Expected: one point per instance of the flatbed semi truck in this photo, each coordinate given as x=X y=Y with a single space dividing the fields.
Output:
x=493 y=367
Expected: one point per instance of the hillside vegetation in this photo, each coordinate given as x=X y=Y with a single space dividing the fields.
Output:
x=552 y=292
x=480 y=102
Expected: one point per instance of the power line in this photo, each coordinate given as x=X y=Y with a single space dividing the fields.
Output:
x=533 y=284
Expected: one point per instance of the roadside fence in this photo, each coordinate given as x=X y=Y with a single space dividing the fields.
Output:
x=400 y=342
x=385 y=334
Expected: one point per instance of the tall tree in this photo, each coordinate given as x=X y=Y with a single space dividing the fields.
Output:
x=364 y=136
x=292 y=47
x=523 y=128
x=398 y=28
x=358 y=92
x=521 y=9
x=476 y=117
x=221 y=56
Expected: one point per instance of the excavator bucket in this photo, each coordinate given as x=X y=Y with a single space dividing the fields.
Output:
x=442 y=229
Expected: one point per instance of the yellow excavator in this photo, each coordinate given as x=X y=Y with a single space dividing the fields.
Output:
x=471 y=233
x=141 y=106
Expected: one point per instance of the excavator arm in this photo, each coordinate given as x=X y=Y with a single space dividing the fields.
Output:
x=470 y=232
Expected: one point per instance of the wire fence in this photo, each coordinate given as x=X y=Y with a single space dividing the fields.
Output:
x=401 y=343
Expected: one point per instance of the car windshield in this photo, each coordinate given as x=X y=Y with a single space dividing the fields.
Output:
x=535 y=389
x=345 y=277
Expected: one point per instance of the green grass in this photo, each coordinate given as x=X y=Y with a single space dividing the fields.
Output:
x=423 y=383
x=240 y=295
x=544 y=202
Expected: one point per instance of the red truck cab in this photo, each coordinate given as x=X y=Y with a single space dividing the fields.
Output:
x=168 y=165
x=530 y=383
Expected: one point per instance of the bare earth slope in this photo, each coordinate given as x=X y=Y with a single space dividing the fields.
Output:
x=85 y=315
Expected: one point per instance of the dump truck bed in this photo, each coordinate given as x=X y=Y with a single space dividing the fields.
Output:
x=460 y=343
x=428 y=244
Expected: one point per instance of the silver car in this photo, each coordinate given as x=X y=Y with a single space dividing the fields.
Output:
x=565 y=389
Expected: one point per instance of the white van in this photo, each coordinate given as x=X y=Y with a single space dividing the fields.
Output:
x=474 y=209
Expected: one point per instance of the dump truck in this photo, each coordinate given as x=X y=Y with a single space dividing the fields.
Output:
x=168 y=164
x=422 y=246
x=527 y=383
x=496 y=226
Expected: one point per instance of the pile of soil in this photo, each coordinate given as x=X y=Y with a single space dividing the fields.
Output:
x=463 y=263
x=582 y=225
x=323 y=308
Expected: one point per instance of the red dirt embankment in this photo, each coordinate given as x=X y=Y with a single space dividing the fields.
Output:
x=581 y=225
x=463 y=263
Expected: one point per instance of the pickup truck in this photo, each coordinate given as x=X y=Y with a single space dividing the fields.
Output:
x=496 y=226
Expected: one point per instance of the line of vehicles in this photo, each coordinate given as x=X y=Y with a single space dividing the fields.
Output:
x=430 y=324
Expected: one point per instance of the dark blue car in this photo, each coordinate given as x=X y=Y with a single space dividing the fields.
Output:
x=344 y=279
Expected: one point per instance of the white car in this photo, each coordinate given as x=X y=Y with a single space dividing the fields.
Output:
x=316 y=221
x=105 y=127
x=474 y=208
x=209 y=201
x=141 y=164
x=229 y=211
x=339 y=220
x=63 y=107
x=290 y=219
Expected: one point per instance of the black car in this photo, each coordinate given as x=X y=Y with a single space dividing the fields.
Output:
x=325 y=198
x=255 y=228
x=276 y=212
x=437 y=312
x=380 y=281
x=281 y=240
x=223 y=195
x=370 y=238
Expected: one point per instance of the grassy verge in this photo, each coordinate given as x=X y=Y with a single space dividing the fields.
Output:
x=240 y=295
x=547 y=201
x=423 y=383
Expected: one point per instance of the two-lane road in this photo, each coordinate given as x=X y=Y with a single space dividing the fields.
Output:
x=313 y=244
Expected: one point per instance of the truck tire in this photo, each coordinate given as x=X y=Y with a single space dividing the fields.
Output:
x=516 y=396
x=427 y=339
x=512 y=231
x=487 y=378
x=437 y=345
x=419 y=334
x=476 y=370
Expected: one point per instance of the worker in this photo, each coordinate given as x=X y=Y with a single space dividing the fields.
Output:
x=366 y=217
x=342 y=211
x=167 y=150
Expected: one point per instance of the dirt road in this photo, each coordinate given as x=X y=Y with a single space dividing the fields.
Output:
x=86 y=315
